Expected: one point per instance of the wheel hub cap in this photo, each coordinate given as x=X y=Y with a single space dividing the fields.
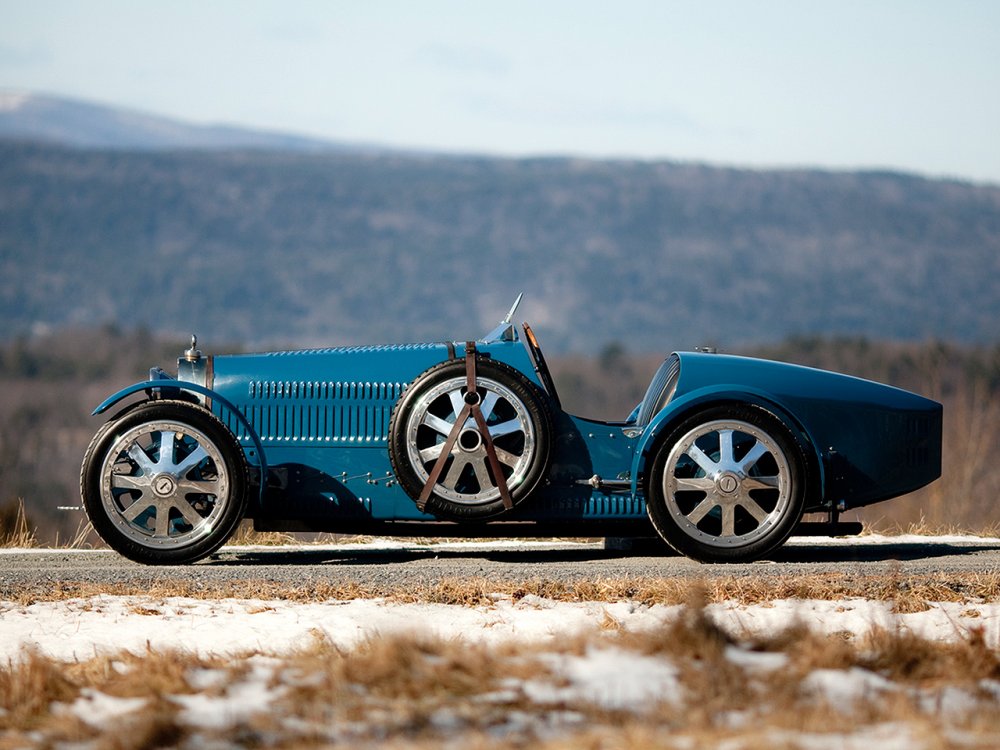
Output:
x=728 y=483
x=470 y=440
x=164 y=485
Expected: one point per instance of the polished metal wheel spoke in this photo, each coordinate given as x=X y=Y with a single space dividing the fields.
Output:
x=455 y=472
x=700 y=483
x=728 y=520
x=751 y=507
x=758 y=451
x=707 y=464
x=194 y=458
x=142 y=459
x=437 y=424
x=489 y=403
x=128 y=482
x=702 y=509
x=761 y=483
x=166 y=450
x=136 y=509
x=506 y=458
x=506 y=428
x=190 y=514
x=196 y=486
x=431 y=453
x=482 y=476
x=457 y=402
x=725 y=448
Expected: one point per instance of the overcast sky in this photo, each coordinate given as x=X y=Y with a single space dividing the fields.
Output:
x=907 y=85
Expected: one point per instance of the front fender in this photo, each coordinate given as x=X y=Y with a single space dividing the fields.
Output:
x=694 y=401
x=149 y=385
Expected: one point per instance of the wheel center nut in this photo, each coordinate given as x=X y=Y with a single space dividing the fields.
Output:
x=164 y=485
x=727 y=484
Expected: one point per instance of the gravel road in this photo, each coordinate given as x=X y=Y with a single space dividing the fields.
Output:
x=394 y=563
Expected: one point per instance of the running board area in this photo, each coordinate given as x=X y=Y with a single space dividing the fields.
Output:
x=828 y=528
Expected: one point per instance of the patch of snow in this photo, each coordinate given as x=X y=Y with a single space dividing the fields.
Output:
x=206 y=679
x=886 y=736
x=756 y=661
x=396 y=544
x=11 y=101
x=611 y=678
x=944 y=621
x=883 y=539
x=240 y=700
x=950 y=700
x=98 y=709
x=46 y=551
x=843 y=689
x=80 y=628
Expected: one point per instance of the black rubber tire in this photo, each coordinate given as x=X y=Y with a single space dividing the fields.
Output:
x=535 y=406
x=688 y=538
x=183 y=414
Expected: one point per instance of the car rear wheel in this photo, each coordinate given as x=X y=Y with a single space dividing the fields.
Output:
x=518 y=421
x=164 y=483
x=727 y=484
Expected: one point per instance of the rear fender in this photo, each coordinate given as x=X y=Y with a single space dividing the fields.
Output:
x=679 y=409
x=255 y=456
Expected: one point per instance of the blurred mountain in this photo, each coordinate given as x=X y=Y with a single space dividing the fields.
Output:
x=311 y=248
x=72 y=122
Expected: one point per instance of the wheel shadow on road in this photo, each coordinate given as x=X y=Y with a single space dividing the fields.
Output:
x=328 y=556
x=815 y=552
x=883 y=552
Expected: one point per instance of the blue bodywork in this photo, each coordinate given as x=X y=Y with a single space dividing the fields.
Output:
x=314 y=427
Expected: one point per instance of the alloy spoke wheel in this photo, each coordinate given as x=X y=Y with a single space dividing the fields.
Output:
x=164 y=484
x=727 y=483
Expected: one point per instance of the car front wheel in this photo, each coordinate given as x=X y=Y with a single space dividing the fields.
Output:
x=164 y=483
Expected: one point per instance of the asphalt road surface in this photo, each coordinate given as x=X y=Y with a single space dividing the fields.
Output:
x=404 y=563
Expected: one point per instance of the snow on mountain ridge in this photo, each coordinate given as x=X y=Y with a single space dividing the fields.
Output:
x=12 y=100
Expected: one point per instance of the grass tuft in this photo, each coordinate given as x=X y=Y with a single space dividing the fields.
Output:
x=29 y=687
x=15 y=532
x=246 y=536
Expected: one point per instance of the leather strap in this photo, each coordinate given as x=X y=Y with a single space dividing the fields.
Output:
x=472 y=408
x=425 y=493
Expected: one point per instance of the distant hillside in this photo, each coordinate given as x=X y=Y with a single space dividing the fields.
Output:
x=347 y=247
x=72 y=122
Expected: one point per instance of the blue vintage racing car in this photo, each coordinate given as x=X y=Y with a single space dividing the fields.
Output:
x=721 y=459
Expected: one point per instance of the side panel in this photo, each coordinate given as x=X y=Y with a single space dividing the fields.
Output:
x=323 y=420
x=584 y=448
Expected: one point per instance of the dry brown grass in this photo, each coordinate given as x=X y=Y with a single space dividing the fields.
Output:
x=15 y=531
x=905 y=657
x=27 y=690
x=246 y=535
x=922 y=526
x=909 y=593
